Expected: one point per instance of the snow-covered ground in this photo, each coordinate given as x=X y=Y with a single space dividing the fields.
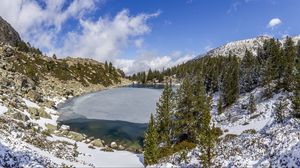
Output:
x=3 y=109
x=15 y=152
x=251 y=140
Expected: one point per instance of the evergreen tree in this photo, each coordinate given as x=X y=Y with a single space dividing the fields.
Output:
x=151 y=143
x=54 y=56
x=207 y=136
x=231 y=81
x=249 y=74
x=106 y=66
x=150 y=75
x=296 y=90
x=220 y=106
x=280 y=109
x=110 y=68
x=184 y=111
x=274 y=66
x=252 y=104
x=164 y=112
x=290 y=53
x=199 y=106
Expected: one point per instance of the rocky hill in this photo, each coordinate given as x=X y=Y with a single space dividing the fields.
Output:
x=8 y=35
x=31 y=85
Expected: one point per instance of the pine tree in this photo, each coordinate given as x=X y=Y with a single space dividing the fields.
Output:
x=106 y=66
x=150 y=75
x=151 y=143
x=290 y=53
x=220 y=106
x=280 y=109
x=184 y=111
x=274 y=65
x=252 y=104
x=199 y=106
x=207 y=136
x=164 y=112
x=230 y=86
x=249 y=74
x=110 y=67
x=296 y=90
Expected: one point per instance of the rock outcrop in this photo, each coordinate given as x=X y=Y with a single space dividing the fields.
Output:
x=8 y=34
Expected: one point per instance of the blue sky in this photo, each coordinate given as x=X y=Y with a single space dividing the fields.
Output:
x=140 y=34
x=195 y=25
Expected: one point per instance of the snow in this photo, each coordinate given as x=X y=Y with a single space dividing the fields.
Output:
x=30 y=103
x=53 y=158
x=272 y=144
x=100 y=158
x=3 y=109
x=42 y=122
x=108 y=159
x=256 y=125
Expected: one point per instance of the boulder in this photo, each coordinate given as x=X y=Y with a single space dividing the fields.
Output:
x=64 y=128
x=19 y=116
x=75 y=136
x=97 y=143
x=34 y=112
x=113 y=145
x=51 y=127
x=121 y=147
x=43 y=113
x=34 y=96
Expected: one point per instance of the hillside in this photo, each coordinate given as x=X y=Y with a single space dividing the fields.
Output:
x=232 y=109
x=8 y=35
x=31 y=85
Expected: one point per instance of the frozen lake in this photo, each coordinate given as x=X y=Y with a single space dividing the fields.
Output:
x=124 y=104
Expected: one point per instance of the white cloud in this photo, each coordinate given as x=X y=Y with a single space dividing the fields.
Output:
x=101 y=39
x=41 y=25
x=274 y=22
x=107 y=37
x=139 y=42
x=151 y=60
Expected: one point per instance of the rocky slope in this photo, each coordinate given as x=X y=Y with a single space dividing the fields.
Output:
x=31 y=85
x=239 y=47
x=7 y=34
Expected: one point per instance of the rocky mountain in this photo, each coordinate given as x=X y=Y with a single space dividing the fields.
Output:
x=239 y=47
x=8 y=35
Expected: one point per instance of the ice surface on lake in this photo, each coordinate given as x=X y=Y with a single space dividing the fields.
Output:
x=125 y=104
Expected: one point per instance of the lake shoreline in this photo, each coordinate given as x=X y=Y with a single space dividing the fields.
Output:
x=125 y=132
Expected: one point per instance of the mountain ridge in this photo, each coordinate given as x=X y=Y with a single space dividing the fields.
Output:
x=239 y=47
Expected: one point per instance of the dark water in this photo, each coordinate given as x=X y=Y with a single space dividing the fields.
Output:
x=125 y=133
x=118 y=114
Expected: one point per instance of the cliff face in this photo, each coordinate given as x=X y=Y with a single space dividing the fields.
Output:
x=8 y=34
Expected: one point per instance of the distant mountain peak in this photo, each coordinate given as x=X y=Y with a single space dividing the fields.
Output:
x=239 y=47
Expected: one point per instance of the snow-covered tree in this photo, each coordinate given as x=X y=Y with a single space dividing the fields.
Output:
x=252 y=104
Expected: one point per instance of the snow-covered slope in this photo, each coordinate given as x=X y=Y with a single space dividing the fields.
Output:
x=239 y=47
x=23 y=145
x=251 y=140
